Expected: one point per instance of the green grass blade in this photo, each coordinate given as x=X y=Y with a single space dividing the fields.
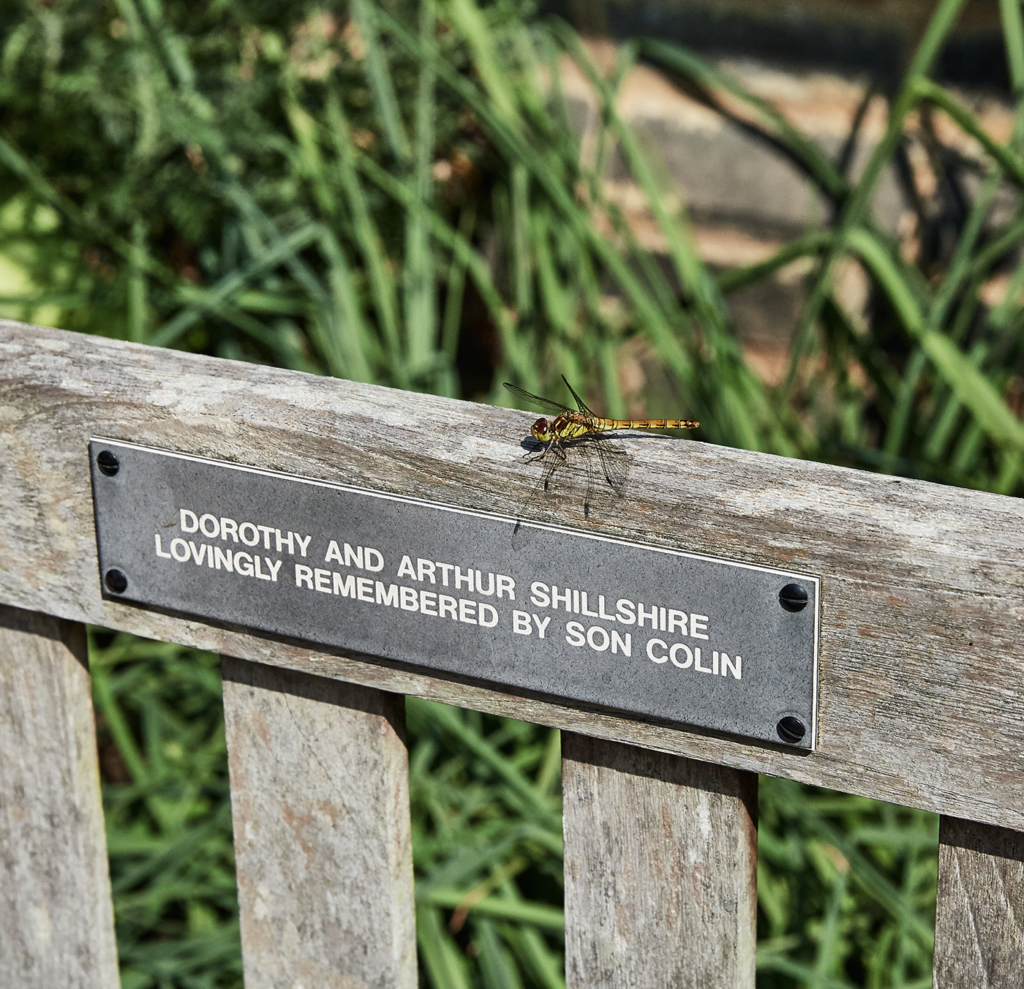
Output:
x=938 y=29
x=418 y=271
x=379 y=73
x=441 y=958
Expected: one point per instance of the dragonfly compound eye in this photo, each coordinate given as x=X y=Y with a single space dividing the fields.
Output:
x=541 y=430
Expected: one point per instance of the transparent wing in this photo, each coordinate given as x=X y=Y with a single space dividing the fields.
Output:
x=614 y=464
x=606 y=465
x=542 y=403
x=581 y=405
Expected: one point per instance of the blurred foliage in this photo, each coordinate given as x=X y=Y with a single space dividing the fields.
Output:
x=396 y=192
x=163 y=761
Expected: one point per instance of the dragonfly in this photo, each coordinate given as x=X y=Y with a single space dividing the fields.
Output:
x=582 y=430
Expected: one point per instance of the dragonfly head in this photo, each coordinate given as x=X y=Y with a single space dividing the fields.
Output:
x=542 y=431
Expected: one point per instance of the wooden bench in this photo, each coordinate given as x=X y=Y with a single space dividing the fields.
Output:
x=920 y=682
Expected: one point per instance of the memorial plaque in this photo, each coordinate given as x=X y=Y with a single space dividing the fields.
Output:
x=659 y=634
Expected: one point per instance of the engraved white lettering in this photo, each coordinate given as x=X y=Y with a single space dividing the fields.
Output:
x=643 y=615
x=676 y=621
x=345 y=585
x=574 y=634
x=651 y=644
x=673 y=655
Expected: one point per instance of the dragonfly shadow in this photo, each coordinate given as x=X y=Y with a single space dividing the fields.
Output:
x=576 y=481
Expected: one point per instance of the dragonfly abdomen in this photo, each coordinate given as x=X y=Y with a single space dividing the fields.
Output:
x=646 y=424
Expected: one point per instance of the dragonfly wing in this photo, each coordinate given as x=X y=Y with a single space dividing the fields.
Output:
x=580 y=404
x=542 y=403
x=606 y=465
x=614 y=464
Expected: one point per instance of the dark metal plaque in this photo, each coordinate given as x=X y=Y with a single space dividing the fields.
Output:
x=656 y=633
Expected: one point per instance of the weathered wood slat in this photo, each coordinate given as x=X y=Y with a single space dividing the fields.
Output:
x=320 y=807
x=56 y=918
x=660 y=869
x=979 y=918
x=922 y=585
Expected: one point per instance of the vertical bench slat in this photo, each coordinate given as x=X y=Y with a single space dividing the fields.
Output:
x=320 y=805
x=56 y=918
x=979 y=917
x=660 y=869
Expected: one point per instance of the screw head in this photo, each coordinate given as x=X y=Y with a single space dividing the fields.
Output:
x=791 y=729
x=116 y=581
x=108 y=463
x=793 y=597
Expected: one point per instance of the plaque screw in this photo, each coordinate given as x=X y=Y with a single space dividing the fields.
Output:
x=791 y=729
x=793 y=597
x=116 y=581
x=108 y=463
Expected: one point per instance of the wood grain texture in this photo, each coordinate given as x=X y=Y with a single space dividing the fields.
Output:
x=660 y=869
x=320 y=807
x=922 y=637
x=56 y=918
x=979 y=917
